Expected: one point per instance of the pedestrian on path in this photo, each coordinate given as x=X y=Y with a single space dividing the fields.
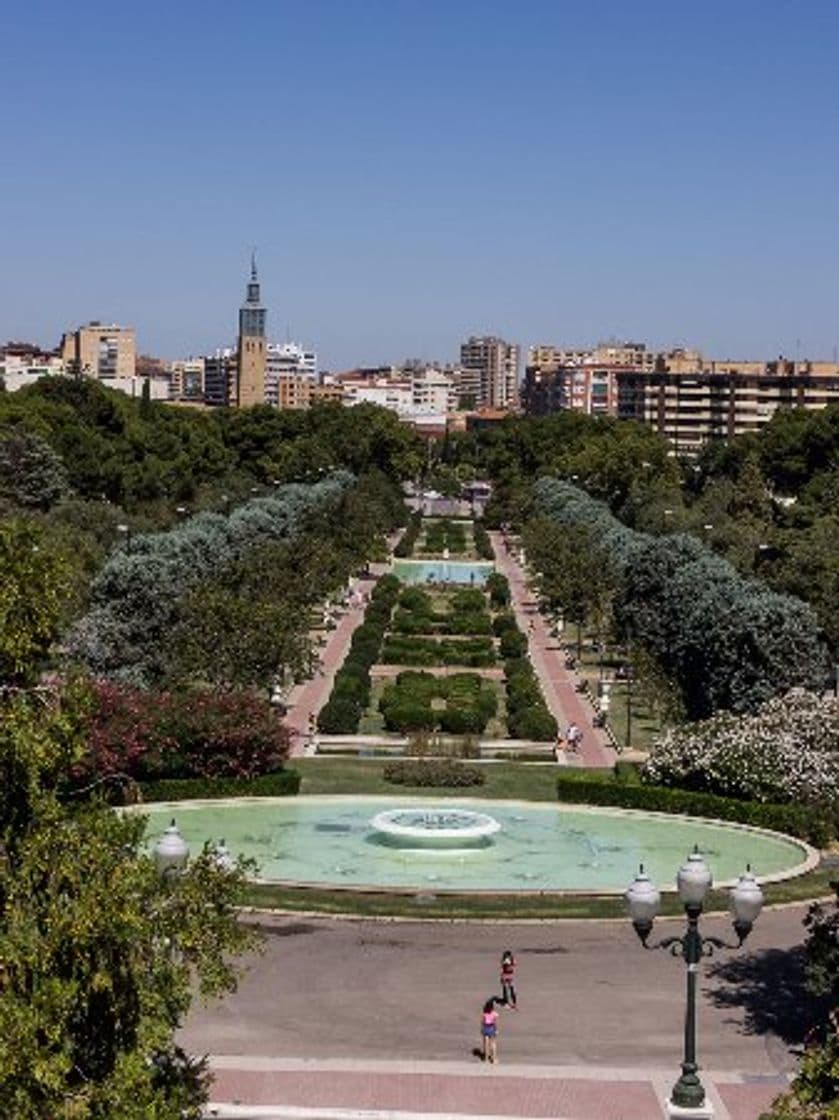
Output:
x=508 y=977
x=489 y=1031
x=574 y=736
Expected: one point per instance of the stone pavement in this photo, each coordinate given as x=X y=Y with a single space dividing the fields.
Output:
x=383 y=1017
x=558 y=683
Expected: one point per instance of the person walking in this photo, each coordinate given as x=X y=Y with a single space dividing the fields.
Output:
x=489 y=1031
x=574 y=736
x=508 y=977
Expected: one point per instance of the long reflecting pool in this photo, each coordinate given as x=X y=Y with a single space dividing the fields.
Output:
x=332 y=840
x=442 y=571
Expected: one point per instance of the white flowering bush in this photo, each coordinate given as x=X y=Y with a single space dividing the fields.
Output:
x=788 y=750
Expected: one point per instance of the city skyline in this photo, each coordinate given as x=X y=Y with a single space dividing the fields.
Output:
x=413 y=174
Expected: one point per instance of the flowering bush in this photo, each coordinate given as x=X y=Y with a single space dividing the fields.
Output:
x=153 y=735
x=787 y=751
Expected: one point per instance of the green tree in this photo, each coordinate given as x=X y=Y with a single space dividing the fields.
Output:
x=97 y=954
x=31 y=473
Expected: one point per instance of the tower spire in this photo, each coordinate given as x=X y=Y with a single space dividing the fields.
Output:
x=253 y=265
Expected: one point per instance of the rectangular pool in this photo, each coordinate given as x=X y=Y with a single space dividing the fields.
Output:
x=442 y=571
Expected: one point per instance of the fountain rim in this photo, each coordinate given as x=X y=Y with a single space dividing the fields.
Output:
x=809 y=863
x=483 y=824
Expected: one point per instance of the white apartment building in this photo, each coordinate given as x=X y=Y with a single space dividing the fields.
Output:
x=433 y=391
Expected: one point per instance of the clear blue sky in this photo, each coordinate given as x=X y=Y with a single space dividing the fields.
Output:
x=413 y=171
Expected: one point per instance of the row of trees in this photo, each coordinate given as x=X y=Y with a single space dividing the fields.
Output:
x=65 y=434
x=722 y=641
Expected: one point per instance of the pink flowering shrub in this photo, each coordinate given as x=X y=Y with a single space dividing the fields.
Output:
x=151 y=735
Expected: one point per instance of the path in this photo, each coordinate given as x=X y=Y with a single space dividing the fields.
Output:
x=309 y=697
x=383 y=1016
x=558 y=683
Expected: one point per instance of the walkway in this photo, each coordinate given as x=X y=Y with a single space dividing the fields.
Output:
x=558 y=683
x=308 y=698
x=384 y=1016
x=410 y=1090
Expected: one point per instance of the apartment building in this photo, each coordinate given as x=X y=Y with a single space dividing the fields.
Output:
x=290 y=373
x=100 y=350
x=489 y=373
x=186 y=380
x=721 y=399
x=583 y=380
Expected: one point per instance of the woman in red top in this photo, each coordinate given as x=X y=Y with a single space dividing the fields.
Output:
x=508 y=975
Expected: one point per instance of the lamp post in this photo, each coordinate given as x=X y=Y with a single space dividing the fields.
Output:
x=629 y=676
x=171 y=853
x=125 y=532
x=693 y=881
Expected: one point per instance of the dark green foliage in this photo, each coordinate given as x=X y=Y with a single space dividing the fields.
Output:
x=503 y=622
x=513 y=644
x=32 y=475
x=442 y=773
x=406 y=543
x=351 y=688
x=483 y=545
x=474 y=652
x=413 y=703
x=466 y=614
x=445 y=534
x=498 y=588
x=527 y=714
x=585 y=788
x=285 y=783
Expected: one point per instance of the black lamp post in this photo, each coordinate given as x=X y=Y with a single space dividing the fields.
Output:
x=693 y=881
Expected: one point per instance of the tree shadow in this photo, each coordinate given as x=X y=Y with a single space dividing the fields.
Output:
x=769 y=987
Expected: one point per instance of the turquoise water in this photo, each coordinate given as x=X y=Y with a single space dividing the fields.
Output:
x=441 y=571
x=328 y=840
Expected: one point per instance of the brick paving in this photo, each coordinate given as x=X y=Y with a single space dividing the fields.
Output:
x=558 y=683
x=480 y=1091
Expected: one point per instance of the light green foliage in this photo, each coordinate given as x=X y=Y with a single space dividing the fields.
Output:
x=31 y=474
x=34 y=583
x=97 y=954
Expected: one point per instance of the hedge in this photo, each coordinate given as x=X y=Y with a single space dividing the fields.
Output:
x=498 y=588
x=405 y=545
x=443 y=773
x=350 y=693
x=407 y=703
x=483 y=545
x=405 y=650
x=285 y=783
x=808 y=824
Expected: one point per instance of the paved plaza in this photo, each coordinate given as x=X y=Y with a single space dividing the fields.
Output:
x=383 y=1016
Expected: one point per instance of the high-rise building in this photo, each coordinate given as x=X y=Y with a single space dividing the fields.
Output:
x=100 y=350
x=290 y=371
x=489 y=369
x=251 y=364
x=690 y=403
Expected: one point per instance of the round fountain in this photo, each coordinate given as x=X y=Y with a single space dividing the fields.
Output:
x=432 y=827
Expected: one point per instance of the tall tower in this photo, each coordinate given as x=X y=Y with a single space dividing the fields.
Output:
x=250 y=381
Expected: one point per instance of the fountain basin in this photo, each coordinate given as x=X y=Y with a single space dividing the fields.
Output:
x=541 y=846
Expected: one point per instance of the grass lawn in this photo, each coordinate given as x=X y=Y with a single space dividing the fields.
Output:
x=499 y=906
x=515 y=780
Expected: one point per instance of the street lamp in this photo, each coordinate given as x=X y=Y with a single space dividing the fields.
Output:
x=171 y=853
x=693 y=882
x=125 y=532
x=223 y=857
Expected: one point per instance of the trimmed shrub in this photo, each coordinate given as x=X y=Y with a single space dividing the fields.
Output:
x=442 y=773
x=405 y=650
x=408 y=539
x=534 y=723
x=809 y=824
x=483 y=545
x=498 y=588
x=513 y=644
x=339 y=716
x=506 y=620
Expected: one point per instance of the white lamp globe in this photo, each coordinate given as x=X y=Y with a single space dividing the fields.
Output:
x=171 y=852
x=224 y=857
x=642 y=899
x=745 y=900
x=693 y=879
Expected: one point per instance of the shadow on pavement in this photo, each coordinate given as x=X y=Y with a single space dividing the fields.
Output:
x=769 y=987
